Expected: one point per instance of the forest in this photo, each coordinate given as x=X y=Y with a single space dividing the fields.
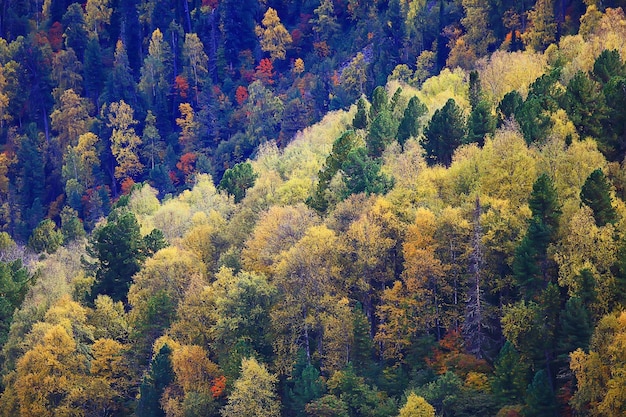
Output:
x=312 y=208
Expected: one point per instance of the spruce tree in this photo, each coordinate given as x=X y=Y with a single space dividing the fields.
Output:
x=153 y=385
x=540 y=399
x=530 y=265
x=596 y=194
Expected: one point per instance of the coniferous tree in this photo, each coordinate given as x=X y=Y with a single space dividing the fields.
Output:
x=153 y=385
x=585 y=105
x=410 y=123
x=596 y=193
x=540 y=400
x=444 y=133
x=530 y=265
x=360 y=118
x=607 y=65
x=510 y=376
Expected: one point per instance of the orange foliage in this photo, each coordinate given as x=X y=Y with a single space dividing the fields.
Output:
x=218 y=386
x=187 y=165
x=127 y=185
x=241 y=95
x=265 y=71
x=335 y=79
x=182 y=86
x=321 y=48
x=55 y=36
x=450 y=356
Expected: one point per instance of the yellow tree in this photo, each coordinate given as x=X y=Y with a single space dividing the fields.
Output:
x=81 y=160
x=189 y=127
x=416 y=406
x=196 y=58
x=71 y=118
x=124 y=141
x=542 y=28
x=601 y=373
x=273 y=36
x=278 y=229
x=50 y=375
x=254 y=393
x=307 y=277
x=97 y=14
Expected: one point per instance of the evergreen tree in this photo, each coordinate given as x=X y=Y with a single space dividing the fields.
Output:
x=360 y=118
x=304 y=386
x=480 y=123
x=540 y=400
x=585 y=105
x=410 y=123
x=382 y=132
x=15 y=281
x=153 y=385
x=530 y=265
x=237 y=180
x=120 y=251
x=509 y=106
x=607 y=65
x=575 y=328
x=444 y=133
x=361 y=174
x=510 y=375
x=596 y=193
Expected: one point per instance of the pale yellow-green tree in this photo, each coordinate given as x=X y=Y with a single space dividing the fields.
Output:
x=416 y=406
x=601 y=373
x=97 y=15
x=196 y=58
x=254 y=393
x=71 y=118
x=273 y=36
x=124 y=140
x=81 y=160
x=154 y=82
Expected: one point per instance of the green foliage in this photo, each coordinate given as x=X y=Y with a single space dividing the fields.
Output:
x=303 y=387
x=361 y=117
x=153 y=385
x=608 y=64
x=480 y=123
x=510 y=376
x=585 y=105
x=530 y=265
x=45 y=237
x=361 y=174
x=237 y=180
x=540 y=401
x=410 y=123
x=119 y=250
x=444 y=133
x=14 y=284
x=596 y=193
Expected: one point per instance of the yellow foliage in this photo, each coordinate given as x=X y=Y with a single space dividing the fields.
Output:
x=587 y=246
x=274 y=38
x=503 y=72
x=508 y=169
x=416 y=406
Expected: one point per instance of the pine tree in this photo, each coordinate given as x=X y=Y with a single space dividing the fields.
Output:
x=444 y=133
x=585 y=105
x=596 y=193
x=410 y=123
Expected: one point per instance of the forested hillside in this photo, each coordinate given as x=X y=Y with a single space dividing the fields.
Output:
x=312 y=208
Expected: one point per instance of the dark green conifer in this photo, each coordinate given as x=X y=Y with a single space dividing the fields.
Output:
x=596 y=194
x=444 y=133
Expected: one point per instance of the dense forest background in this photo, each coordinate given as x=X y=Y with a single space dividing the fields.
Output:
x=312 y=208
